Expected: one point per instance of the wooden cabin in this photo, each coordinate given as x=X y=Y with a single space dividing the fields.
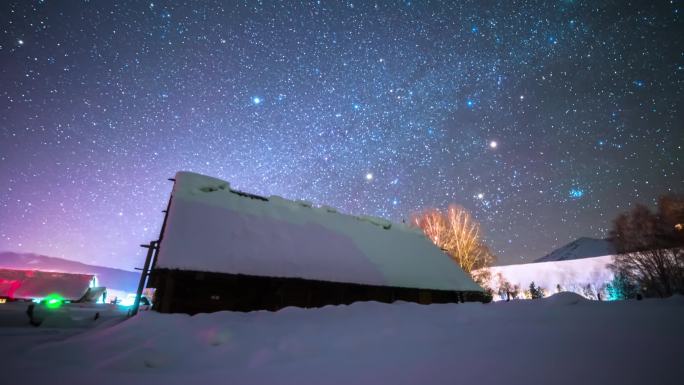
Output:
x=222 y=249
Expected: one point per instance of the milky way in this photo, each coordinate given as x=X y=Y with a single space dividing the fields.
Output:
x=546 y=119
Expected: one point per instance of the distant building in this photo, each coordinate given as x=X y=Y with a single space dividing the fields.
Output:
x=36 y=284
x=221 y=249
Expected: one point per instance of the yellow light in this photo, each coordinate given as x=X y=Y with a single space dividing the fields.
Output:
x=3 y=300
x=679 y=227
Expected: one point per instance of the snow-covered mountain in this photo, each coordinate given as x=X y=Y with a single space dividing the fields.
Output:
x=122 y=280
x=580 y=248
x=581 y=266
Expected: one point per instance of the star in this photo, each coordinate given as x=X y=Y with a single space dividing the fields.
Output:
x=576 y=193
x=319 y=111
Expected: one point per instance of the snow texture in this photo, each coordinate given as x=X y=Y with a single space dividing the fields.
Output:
x=213 y=228
x=67 y=316
x=561 y=340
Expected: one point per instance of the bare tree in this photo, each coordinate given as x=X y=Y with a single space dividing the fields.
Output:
x=504 y=288
x=589 y=292
x=466 y=244
x=650 y=247
x=456 y=232
x=434 y=225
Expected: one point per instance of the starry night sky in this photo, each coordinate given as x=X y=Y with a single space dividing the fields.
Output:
x=546 y=118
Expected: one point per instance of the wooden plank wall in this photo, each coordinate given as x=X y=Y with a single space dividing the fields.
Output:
x=198 y=292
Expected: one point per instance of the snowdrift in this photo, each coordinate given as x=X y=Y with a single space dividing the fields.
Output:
x=559 y=340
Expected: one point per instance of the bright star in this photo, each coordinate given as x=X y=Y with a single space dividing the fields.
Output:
x=256 y=100
x=470 y=103
x=369 y=176
x=493 y=144
x=480 y=196
x=20 y=42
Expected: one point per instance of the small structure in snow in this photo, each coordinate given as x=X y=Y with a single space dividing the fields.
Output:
x=222 y=249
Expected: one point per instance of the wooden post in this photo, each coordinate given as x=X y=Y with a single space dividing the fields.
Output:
x=143 y=275
x=151 y=259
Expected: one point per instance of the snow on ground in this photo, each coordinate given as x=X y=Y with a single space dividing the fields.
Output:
x=563 y=339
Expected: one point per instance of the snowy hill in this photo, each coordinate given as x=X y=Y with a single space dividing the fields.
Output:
x=561 y=340
x=580 y=248
x=116 y=279
x=581 y=266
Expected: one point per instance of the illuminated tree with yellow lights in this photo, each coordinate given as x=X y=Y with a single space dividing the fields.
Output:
x=458 y=234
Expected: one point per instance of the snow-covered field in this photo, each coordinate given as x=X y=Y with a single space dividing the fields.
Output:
x=563 y=339
x=571 y=275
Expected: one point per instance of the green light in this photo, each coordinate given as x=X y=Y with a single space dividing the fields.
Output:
x=53 y=301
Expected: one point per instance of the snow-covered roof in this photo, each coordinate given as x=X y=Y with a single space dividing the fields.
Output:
x=28 y=284
x=215 y=229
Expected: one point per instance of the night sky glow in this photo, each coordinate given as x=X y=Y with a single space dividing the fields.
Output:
x=545 y=118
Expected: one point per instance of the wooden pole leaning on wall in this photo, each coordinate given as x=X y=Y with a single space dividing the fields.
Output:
x=152 y=250
x=151 y=247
